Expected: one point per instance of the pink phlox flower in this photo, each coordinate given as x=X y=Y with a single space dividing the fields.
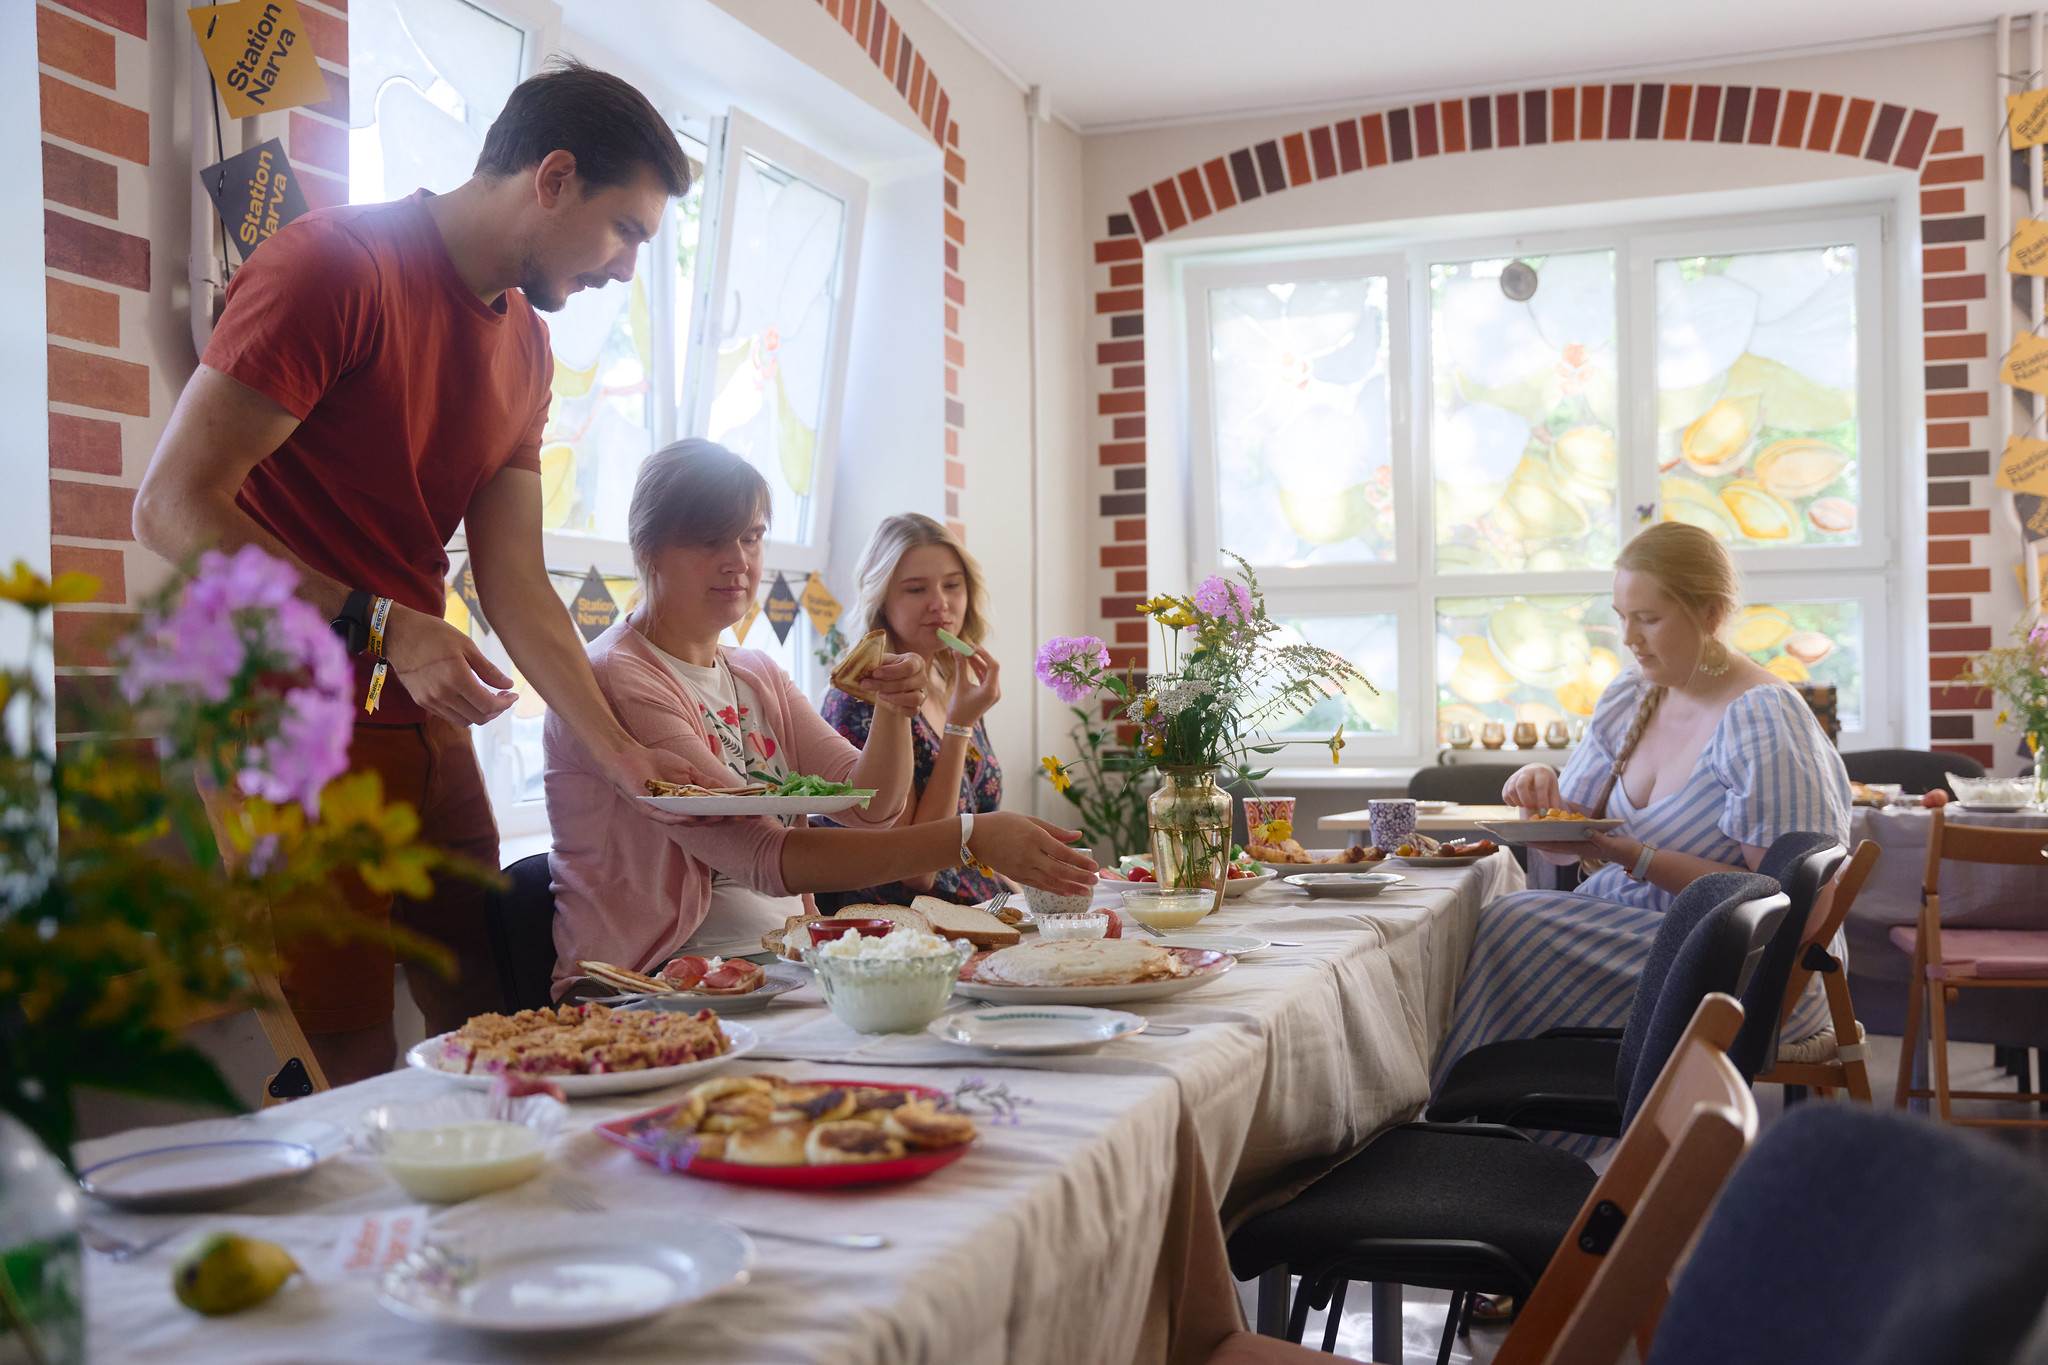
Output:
x=1071 y=664
x=309 y=750
x=1220 y=597
x=248 y=578
x=193 y=651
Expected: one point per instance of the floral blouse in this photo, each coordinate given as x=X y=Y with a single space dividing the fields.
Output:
x=981 y=789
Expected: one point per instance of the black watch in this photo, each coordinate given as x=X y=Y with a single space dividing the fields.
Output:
x=353 y=625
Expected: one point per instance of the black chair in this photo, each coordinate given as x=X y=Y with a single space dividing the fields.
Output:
x=1853 y=1235
x=1468 y=784
x=1915 y=770
x=520 y=918
x=1574 y=1080
x=1479 y=1208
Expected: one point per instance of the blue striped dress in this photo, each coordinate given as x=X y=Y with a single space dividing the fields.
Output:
x=1547 y=959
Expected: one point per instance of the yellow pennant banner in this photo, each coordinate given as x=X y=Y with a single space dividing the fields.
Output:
x=2029 y=254
x=2028 y=115
x=259 y=55
x=819 y=604
x=746 y=623
x=2024 y=466
x=2026 y=364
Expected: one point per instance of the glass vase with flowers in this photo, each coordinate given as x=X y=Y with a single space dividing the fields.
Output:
x=2018 y=676
x=1227 y=678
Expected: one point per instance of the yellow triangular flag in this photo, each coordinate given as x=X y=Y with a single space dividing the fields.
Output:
x=260 y=56
x=2028 y=115
x=2026 y=364
x=819 y=604
x=739 y=632
x=2029 y=254
x=2024 y=466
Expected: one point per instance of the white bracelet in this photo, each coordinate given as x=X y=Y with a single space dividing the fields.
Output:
x=966 y=833
x=1642 y=868
x=963 y=731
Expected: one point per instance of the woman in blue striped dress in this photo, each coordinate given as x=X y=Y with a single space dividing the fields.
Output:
x=1706 y=756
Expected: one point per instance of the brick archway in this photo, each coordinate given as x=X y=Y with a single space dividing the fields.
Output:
x=1959 y=467
x=869 y=24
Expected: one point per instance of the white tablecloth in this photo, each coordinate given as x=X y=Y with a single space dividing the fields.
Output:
x=1087 y=1231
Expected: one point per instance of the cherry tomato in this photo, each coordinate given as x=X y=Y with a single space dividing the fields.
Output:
x=1141 y=874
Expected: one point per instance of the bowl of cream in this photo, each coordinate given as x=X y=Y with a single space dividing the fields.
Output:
x=894 y=984
x=462 y=1144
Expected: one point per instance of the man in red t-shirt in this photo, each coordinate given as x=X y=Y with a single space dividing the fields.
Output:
x=378 y=377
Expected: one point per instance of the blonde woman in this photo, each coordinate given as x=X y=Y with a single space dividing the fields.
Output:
x=1707 y=757
x=915 y=580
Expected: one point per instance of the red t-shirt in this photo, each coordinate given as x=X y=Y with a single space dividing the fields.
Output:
x=411 y=394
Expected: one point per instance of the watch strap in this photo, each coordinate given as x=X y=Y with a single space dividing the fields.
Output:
x=1643 y=860
x=352 y=623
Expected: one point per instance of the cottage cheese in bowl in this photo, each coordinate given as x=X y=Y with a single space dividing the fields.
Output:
x=894 y=984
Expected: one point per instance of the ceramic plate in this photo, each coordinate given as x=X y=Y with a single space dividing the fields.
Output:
x=423 y=1057
x=1206 y=966
x=1035 y=1028
x=758 y=805
x=571 y=1273
x=1546 y=831
x=1351 y=886
x=1990 y=808
x=204 y=1164
x=1235 y=887
x=1237 y=945
x=782 y=979
x=648 y=1137
x=1438 y=860
x=1433 y=807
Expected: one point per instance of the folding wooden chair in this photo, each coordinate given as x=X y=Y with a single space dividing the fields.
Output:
x=1946 y=961
x=1837 y=1059
x=1609 y=1278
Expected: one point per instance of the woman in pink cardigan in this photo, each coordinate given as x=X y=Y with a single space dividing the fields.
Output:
x=634 y=887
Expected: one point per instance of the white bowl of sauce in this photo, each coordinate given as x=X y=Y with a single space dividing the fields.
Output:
x=460 y=1145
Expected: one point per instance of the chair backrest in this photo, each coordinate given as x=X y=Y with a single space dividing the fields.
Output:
x=1690 y=906
x=1847 y=887
x=1608 y=1272
x=1916 y=770
x=1468 y=784
x=1719 y=955
x=1853 y=1234
x=520 y=918
x=1801 y=863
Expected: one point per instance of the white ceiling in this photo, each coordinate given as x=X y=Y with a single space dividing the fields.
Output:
x=1104 y=64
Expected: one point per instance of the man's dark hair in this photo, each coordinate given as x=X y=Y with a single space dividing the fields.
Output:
x=608 y=126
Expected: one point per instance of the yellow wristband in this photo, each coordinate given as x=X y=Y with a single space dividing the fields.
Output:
x=380 y=612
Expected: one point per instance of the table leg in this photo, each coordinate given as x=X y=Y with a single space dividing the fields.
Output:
x=1386 y=1323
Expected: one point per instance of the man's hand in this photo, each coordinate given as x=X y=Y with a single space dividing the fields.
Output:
x=631 y=767
x=443 y=669
x=899 y=683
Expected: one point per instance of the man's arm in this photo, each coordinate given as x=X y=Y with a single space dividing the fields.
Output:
x=503 y=526
x=222 y=429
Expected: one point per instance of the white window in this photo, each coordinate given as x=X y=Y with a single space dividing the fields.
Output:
x=734 y=325
x=1566 y=390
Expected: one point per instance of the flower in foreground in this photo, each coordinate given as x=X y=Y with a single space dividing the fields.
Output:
x=30 y=589
x=1057 y=771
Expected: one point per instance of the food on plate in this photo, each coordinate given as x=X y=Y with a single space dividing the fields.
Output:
x=577 y=1040
x=845 y=1143
x=903 y=917
x=1292 y=853
x=859 y=660
x=970 y=922
x=1009 y=914
x=1080 y=962
x=1467 y=848
x=655 y=787
x=1556 y=813
x=621 y=978
x=800 y=784
x=714 y=976
x=807 y=1123
x=224 y=1272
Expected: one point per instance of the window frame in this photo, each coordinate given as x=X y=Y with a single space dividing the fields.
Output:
x=1870 y=573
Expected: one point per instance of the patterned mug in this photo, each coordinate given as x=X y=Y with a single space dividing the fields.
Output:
x=1260 y=811
x=1390 y=820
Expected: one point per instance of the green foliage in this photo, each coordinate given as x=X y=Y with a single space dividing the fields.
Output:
x=1107 y=784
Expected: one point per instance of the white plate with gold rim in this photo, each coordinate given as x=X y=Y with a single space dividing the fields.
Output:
x=1035 y=1028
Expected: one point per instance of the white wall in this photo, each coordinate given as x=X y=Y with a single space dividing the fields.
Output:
x=24 y=364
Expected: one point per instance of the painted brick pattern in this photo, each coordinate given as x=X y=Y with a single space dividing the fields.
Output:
x=105 y=382
x=870 y=24
x=1955 y=269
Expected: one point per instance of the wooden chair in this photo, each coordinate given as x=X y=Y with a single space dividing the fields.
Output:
x=1608 y=1280
x=1952 y=960
x=1829 y=1063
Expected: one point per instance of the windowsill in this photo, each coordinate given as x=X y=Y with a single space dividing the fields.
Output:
x=1393 y=781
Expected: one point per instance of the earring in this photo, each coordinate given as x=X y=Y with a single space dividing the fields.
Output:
x=1722 y=659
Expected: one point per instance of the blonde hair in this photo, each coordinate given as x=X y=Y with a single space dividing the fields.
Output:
x=896 y=537
x=1693 y=569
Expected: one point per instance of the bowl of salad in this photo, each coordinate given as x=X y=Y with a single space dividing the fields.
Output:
x=1245 y=873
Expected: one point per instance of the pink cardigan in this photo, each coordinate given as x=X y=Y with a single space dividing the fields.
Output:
x=629 y=888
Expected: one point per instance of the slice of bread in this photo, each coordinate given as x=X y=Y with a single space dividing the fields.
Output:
x=789 y=941
x=975 y=925
x=901 y=916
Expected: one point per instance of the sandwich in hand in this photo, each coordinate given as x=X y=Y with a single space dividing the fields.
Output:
x=860 y=659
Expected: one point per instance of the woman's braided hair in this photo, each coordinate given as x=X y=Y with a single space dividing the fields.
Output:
x=1693 y=569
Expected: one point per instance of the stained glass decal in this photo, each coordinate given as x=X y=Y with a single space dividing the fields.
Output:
x=1534 y=659
x=1756 y=396
x=600 y=421
x=1302 y=437
x=1522 y=443
x=426 y=78
x=775 y=333
x=1370 y=643
x=1817 y=642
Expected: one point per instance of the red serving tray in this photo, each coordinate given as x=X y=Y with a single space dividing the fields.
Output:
x=619 y=1132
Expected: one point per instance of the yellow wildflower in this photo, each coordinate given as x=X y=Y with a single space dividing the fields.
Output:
x=1057 y=771
x=1274 y=832
x=32 y=590
x=1336 y=744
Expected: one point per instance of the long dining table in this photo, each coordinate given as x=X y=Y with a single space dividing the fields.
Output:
x=1086 y=1225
